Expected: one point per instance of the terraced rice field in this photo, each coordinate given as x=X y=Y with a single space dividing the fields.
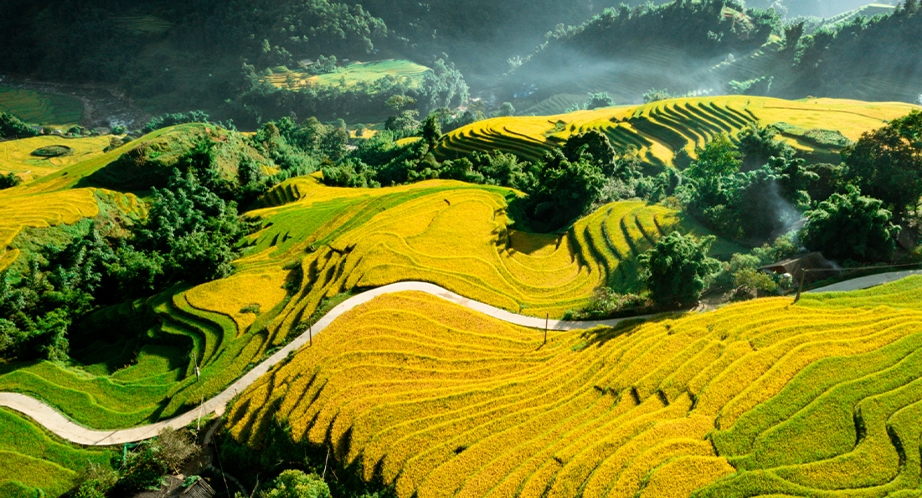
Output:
x=34 y=464
x=38 y=211
x=454 y=235
x=16 y=155
x=661 y=129
x=352 y=74
x=760 y=398
x=41 y=108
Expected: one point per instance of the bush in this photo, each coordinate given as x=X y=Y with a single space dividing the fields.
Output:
x=297 y=484
x=606 y=303
x=94 y=481
x=9 y=180
x=597 y=100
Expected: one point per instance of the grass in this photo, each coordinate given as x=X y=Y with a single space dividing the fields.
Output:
x=351 y=75
x=661 y=129
x=41 y=108
x=763 y=397
x=32 y=462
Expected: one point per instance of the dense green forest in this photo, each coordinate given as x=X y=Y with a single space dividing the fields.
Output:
x=724 y=46
x=173 y=56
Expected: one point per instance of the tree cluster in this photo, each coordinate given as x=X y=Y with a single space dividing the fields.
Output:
x=189 y=236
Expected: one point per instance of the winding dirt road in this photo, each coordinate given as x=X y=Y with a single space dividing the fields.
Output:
x=64 y=428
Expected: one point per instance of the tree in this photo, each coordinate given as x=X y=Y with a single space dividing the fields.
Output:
x=507 y=109
x=597 y=100
x=758 y=145
x=851 y=227
x=398 y=102
x=677 y=267
x=719 y=157
x=563 y=190
x=297 y=484
x=12 y=127
x=597 y=146
x=887 y=163
x=9 y=180
x=432 y=131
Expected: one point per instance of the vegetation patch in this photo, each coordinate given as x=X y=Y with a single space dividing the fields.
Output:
x=351 y=75
x=53 y=151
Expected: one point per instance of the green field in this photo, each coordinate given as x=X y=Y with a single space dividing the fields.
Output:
x=41 y=108
x=31 y=460
x=351 y=75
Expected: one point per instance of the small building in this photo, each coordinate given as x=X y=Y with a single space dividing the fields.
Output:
x=198 y=489
x=812 y=267
x=173 y=488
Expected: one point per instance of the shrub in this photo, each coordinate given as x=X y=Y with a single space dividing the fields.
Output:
x=297 y=484
x=94 y=481
x=9 y=180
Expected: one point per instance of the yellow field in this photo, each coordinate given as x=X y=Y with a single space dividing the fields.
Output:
x=661 y=129
x=451 y=234
x=241 y=297
x=16 y=155
x=439 y=400
x=18 y=211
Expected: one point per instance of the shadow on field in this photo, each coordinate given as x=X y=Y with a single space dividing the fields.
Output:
x=600 y=336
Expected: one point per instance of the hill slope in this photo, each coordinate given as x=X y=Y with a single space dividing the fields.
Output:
x=441 y=401
x=662 y=129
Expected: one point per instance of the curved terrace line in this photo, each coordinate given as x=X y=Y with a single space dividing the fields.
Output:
x=56 y=423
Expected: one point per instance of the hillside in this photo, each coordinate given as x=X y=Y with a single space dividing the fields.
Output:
x=719 y=47
x=142 y=281
x=660 y=130
x=754 y=398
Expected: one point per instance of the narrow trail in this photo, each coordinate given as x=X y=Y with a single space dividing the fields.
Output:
x=58 y=424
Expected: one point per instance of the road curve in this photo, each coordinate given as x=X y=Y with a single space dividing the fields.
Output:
x=56 y=423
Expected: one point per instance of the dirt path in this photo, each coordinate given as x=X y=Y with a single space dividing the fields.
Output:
x=56 y=423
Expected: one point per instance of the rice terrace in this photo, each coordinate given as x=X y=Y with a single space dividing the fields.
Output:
x=473 y=249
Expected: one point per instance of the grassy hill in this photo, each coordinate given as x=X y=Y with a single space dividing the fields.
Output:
x=662 y=129
x=770 y=398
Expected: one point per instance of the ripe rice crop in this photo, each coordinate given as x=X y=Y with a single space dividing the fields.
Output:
x=451 y=234
x=19 y=210
x=438 y=400
x=16 y=155
x=659 y=130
